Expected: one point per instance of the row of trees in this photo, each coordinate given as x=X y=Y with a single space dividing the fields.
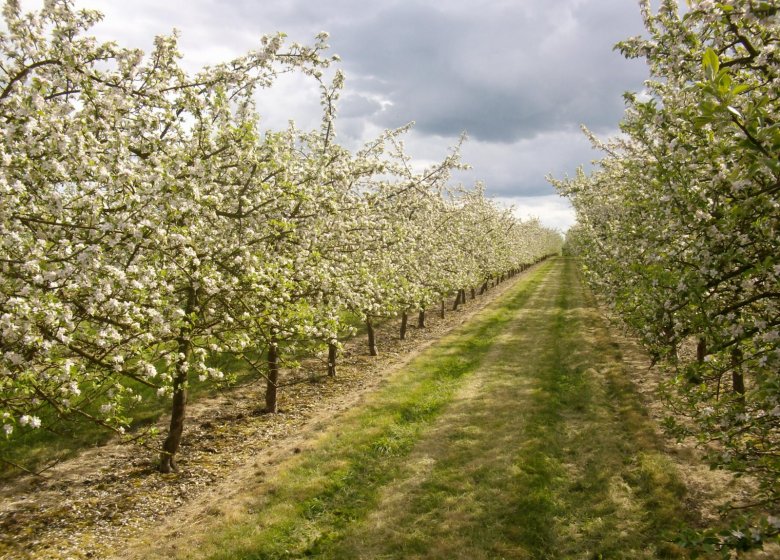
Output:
x=679 y=227
x=149 y=225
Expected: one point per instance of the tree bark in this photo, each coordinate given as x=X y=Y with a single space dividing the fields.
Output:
x=272 y=383
x=179 y=405
x=701 y=350
x=484 y=287
x=371 y=338
x=737 y=377
x=473 y=293
x=421 y=319
x=441 y=313
x=456 y=303
x=178 y=410
x=332 y=353
x=404 y=323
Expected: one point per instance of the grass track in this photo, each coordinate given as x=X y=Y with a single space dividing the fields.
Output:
x=518 y=436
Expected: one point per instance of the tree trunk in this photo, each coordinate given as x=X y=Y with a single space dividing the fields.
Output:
x=701 y=350
x=738 y=383
x=272 y=383
x=456 y=303
x=473 y=293
x=463 y=296
x=441 y=313
x=178 y=409
x=371 y=338
x=421 y=319
x=483 y=289
x=737 y=377
x=179 y=405
x=332 y=352
x=404 y=323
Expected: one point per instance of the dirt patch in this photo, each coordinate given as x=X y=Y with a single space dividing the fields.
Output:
x=110 y=500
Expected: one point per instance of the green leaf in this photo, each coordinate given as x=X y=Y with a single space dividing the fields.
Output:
x=724 y=83
x=711 y=64
x=734 y=111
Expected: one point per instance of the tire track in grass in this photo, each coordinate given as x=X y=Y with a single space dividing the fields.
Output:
x=519 y=436
x=310 y=507
x=544 y=453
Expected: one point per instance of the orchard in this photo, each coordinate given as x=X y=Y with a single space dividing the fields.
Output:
x=149 y=225
x=679 y=228
x=155 y=239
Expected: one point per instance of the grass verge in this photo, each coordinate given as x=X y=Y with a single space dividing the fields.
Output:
x=518 y=436
x=326 y=490
x=546 y=454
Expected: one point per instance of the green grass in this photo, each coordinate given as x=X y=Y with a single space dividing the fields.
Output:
x=318 y=499
x=520 y=436
x=595 y=482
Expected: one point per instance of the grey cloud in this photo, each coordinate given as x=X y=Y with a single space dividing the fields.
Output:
x=519 y=168
x=519 y=76
x=501 y=70
x=500 y=74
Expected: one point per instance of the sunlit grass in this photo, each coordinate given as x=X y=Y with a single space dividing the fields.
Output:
x=317 y=500
x=519 y=437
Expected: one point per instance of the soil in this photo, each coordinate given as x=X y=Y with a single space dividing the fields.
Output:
x=110 y=500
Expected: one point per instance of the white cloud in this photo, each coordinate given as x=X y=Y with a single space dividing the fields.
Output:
x=552 y=210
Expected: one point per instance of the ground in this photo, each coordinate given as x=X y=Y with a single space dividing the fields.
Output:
x=519 y=427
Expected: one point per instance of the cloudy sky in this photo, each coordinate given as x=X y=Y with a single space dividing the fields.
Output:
x=518 y=76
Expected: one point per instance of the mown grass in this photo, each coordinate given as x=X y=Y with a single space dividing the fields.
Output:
x=550 y=457
x=520 y=436
x=327 y=489
x=599 y=484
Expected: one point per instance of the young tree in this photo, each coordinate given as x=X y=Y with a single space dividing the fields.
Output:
x=119 y=182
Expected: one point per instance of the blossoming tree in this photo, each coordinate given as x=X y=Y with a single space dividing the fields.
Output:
x=678 y=226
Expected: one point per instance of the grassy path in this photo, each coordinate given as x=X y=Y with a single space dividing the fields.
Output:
x=517 y=437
